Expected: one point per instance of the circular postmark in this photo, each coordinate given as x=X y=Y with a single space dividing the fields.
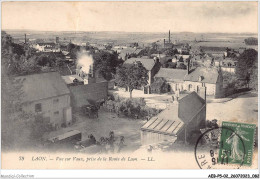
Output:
x=220 y=148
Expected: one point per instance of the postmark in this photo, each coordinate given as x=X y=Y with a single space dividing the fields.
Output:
x=226 y=147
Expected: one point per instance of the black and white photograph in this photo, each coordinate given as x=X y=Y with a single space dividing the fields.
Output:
x=129 y=85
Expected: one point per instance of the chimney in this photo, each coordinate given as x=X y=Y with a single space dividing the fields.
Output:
x=169 y=36
x=203 y=92
x=57 y=40
x=25 y=38
x=188 y=67
x=175 y=99
x=91 y=70
x=163 y=43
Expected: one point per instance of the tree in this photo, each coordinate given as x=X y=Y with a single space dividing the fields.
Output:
x=73 y=49
x=251 y=41
x=14 y=119
x=171 y=52
x=253 y=83
x=29 y=66
x=132 y=76
x=11 y=93
x=181 y=66
x=106 y=63
x=246 y=68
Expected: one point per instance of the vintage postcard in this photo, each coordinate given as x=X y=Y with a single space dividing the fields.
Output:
x=129 y=85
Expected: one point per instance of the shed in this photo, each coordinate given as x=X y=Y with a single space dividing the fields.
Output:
x=179 y=120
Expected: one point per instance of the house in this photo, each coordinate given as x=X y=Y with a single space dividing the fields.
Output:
x=181 y=58
x=206 y=60
x=163 y=59
x=86 y=73
x=151 y=65
x=229 y=65
x=173 y=77
x=47 y=95
x=67 y=56
x=87 y=87
x=226 y=64
x=126 y=52
x=47 y=47
x=215 y=51
x=202 y=76
x=181 y=120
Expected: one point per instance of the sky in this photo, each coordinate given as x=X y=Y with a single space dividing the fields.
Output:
x=226 y=17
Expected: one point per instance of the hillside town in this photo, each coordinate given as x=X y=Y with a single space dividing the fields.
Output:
x=63 y=93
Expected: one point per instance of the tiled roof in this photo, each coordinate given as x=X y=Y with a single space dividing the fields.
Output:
x=41 y=86
x=146 y=62
x=209 y=75
x=169 y=73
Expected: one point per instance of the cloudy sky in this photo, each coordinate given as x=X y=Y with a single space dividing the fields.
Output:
x=131 y=16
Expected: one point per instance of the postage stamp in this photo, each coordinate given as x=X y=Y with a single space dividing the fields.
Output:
x=236 y=143
x=229 y=146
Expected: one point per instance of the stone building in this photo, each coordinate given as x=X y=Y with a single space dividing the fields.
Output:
x=209 y=77
x=46 y=95
x=173 y=77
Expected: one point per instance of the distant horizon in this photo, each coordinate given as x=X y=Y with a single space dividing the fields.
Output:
x=131 y=31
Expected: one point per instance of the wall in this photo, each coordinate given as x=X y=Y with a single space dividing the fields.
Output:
x=220 y=93
x=229 y=69
x=148 y=137
x=92 y=92
x=155 y=70
x=52 y=110
x=211 y=88
x=175 y=86
x=197 y=123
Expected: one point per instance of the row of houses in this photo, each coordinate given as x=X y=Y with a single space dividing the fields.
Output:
x=48 y=46
x=189 y=80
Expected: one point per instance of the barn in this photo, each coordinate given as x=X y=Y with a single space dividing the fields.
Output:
x=179 y=121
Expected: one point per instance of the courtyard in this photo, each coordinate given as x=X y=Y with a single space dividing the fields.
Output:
x=101 y=126
x=242 y=109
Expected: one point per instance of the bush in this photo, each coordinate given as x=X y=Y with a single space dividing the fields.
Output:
x=133 y=108
x=251 y=41
x=181 y=66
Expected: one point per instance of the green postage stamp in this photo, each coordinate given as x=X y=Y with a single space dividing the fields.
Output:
x=236 y=143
